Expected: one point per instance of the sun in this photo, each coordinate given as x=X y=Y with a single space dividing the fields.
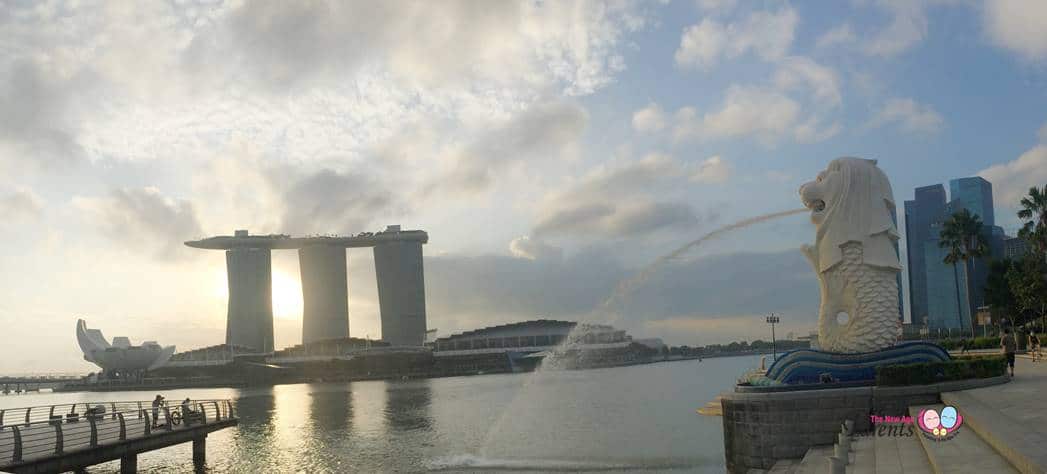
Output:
x=287 y=293
x=287 y=296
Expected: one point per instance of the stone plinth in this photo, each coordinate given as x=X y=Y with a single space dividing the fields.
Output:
x=762 y=428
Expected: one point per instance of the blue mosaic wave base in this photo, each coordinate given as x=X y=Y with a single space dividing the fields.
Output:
x=805 y=366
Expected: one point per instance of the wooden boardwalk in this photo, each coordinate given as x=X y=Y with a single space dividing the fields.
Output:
x=72 y=437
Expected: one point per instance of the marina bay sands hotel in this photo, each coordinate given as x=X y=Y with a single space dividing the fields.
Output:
x=398 y=268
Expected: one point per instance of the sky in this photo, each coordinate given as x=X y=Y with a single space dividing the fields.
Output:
x=550 y=149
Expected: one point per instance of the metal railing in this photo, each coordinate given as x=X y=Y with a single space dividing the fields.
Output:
x=56 y=429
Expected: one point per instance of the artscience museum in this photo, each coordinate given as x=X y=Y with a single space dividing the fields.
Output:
x=120 y=358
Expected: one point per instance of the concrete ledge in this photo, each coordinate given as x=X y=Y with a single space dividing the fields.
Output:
x=1024 y=449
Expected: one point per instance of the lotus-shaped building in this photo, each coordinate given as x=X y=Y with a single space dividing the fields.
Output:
x=120 y=356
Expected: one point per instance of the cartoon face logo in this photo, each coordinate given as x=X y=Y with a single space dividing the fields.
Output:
x=949 y=417
x=940 y=425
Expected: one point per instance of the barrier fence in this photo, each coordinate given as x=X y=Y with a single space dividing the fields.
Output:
x=42 y=431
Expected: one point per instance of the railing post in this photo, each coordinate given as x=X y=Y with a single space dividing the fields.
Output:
x=148 y=423
x=59 y=440
x=123 y=426
x=16 y=456
x=203 y=414
x=217 y=412
x=113 y=406
x=52 y=412
x=94 y=430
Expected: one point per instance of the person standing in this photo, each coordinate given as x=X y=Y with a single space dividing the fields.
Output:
x=159 y=400
x=1034 y=346
x=1009 y=346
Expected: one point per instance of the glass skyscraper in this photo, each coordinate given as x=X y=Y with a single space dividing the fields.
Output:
x=975 y=194
x=920 y=213
x=938 y=291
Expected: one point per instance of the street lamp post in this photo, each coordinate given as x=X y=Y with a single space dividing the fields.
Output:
x=772 y=320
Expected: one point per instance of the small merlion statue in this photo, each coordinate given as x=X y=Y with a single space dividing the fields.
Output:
x=854 y=255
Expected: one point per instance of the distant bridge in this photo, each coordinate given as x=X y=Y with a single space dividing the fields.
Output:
x=34 y=383
x=59 y=438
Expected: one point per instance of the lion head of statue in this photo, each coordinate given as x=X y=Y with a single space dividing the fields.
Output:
x=851 y=201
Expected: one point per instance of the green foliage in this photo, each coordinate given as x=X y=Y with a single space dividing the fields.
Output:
x=962 y=235
x=1034 y=213
x=998 y=294
x=1028 y=282
x=934 y=372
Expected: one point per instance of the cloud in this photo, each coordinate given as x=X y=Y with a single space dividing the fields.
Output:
x=746 y=110
x=767 y=34
x=34 y=128
x=720 y=5
x=701 y=45
x=908 y=26
x=909 y=115
x=1011 y=181
x=534 y=249
x=327 y=201
x=543 y=131
x=712 y=170
x=839 y=35
x=143 y=218
x=617 y=201
x=649 y=119
x=802 y=73
x=284 y=44
x=1017 y=25
x=20 y=205
x=798 y=102
x=617 y=220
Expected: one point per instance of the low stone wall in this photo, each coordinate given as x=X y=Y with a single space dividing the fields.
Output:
x=760 y=429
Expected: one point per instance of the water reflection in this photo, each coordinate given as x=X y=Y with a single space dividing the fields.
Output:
x=330 y=409
x=408 y=405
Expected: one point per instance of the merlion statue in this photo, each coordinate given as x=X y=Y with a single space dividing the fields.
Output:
x=854 y=255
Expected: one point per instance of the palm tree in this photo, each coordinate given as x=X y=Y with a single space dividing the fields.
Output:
x=1034 y=231
x=962 y=236
x=1034 y=212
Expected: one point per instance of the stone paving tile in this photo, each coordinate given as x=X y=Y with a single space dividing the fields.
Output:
x=965 y=453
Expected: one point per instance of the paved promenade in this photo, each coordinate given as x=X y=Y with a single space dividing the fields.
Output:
x=1025 y=398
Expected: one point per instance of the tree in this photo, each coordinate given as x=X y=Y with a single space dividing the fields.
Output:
x=1034 y=212
x=998 y=294
x=1029 y=286
x=962 y=236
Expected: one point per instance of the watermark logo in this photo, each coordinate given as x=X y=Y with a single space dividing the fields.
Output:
x=940 y=426
x=892 y=426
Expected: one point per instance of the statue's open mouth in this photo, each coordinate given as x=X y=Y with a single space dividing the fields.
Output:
x=816 y=205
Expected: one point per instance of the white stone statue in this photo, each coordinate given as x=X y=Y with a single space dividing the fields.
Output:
x=854 y=256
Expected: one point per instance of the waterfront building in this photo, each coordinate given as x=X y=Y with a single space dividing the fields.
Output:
x=120 y=357
x=529 y=336
x=322 y=260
